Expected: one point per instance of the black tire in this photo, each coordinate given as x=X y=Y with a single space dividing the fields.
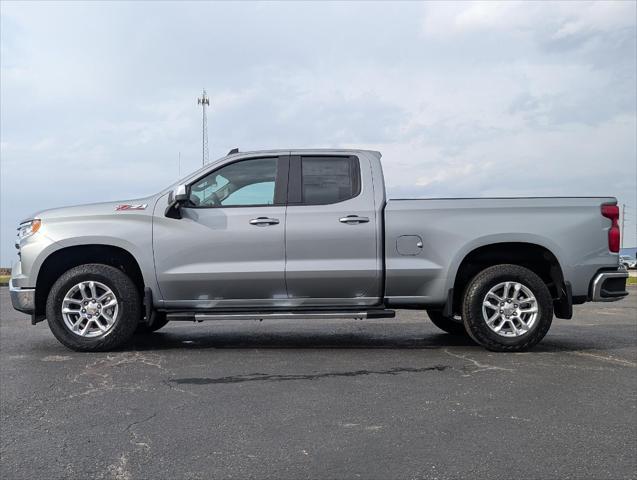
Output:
x=129 y=305
x=475 y=294
x=159 y=322
x=447 y=324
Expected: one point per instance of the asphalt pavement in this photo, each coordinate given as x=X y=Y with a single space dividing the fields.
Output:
x=325 y=399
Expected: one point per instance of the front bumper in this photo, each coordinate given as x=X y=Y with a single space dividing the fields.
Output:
x=609 y=286
x=22 y=299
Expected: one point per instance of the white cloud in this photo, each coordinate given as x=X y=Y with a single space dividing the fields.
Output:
x=560 y=19
x=599 y=16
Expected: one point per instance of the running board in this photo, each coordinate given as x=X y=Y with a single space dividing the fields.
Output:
x=358 y=315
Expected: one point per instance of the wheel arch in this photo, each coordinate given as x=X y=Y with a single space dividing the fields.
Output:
x=63 y=259
x=536 y=257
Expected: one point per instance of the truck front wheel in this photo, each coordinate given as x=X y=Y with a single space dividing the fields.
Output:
x=507 y=308
x=451 y=325
x=93 y=308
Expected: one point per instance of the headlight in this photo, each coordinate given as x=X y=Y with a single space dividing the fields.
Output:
x=27 y=229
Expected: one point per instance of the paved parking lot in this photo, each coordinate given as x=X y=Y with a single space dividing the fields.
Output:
x=322 y=399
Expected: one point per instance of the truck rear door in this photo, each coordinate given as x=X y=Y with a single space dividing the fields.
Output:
x=331 y=232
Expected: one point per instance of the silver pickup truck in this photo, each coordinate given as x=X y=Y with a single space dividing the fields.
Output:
x=310 y=234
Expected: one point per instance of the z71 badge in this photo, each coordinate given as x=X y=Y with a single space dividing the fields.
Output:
x=127 y=206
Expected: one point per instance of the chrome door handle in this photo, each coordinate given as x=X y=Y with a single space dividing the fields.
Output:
x=353 y=219
x=263 y=221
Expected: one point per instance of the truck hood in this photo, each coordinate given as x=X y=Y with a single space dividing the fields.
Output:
x=138 y=205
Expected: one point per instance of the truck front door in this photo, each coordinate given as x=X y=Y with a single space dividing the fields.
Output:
x=228 y=250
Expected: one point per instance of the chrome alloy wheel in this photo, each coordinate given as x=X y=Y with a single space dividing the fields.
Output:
x=90 y=309
x=510 y=309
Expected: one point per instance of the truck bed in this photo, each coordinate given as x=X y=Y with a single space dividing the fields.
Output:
x=571 y=228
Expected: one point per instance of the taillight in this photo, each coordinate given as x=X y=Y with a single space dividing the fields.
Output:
x=612 y=212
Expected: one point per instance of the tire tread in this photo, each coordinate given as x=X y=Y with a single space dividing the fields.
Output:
x=473 y=297
x=123 y=287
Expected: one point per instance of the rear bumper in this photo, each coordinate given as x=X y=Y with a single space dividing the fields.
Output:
x=22 y=299
x=609 y=286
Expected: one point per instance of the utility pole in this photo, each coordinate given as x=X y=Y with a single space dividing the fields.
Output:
x=204 y=101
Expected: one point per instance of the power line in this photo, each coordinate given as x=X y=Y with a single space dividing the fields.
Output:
x=204 y=101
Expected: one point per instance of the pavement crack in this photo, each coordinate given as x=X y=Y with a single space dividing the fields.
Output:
x=263 y=377
x=605 y=358
x=169 y=384
x=480 y=367
x=97 y=376
x=130 y=425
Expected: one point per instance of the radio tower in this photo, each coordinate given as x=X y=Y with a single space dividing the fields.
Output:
x=204 y=101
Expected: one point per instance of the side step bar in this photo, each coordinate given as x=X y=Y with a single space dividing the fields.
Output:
x=359 y=315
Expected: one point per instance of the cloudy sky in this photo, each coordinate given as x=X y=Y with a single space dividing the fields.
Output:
x=463 y=99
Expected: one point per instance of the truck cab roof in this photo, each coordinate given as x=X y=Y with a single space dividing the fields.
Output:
x=302 y=151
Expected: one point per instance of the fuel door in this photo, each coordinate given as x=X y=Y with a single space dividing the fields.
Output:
x=409 y=245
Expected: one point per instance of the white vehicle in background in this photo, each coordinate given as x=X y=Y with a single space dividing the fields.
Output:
x=627 y=262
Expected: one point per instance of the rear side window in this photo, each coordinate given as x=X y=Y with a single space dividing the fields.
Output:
x=329 y=179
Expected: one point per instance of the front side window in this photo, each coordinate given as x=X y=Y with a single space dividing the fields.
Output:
x=248 y=182
x=328 y=179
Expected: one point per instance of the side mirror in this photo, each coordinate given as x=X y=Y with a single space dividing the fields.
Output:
x=176 y=198
x=180 y=193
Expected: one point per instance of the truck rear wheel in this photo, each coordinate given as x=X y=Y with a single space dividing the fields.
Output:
x=93 y=308
x=448 y=324
x=507 y=308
